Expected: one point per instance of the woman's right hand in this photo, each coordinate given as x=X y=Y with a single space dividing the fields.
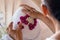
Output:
x=15 y=34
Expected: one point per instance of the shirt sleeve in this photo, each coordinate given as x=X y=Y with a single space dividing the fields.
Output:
x=6 y=37
x=50 y=39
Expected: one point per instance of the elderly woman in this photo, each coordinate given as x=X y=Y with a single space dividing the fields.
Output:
x=50 y=8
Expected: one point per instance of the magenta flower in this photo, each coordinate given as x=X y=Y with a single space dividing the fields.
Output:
x=31 y=26
x=23 y=20
x=26 y=22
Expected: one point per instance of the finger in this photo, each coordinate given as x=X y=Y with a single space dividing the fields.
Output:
x=24 y=5
x=27 y=7
x=26 y=11
x=11 y=25
x=31 y=14
x=19 y=26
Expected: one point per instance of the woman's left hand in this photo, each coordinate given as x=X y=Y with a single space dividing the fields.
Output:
x=32 y=12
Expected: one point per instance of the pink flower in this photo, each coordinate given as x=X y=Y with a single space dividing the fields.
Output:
x=31 y=26
x=23 y=20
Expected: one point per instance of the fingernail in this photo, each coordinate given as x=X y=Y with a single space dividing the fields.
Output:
x=18 y=22
x=22 y=27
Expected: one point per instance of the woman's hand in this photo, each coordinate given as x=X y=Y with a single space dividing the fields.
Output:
x=15 y=34
x=30 y=11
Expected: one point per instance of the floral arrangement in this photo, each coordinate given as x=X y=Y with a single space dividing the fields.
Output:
x=27 y=20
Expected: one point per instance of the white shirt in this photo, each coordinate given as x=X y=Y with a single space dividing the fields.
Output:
x=45 y=32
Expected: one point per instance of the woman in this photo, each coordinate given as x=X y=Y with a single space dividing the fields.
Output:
x=50 y=8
